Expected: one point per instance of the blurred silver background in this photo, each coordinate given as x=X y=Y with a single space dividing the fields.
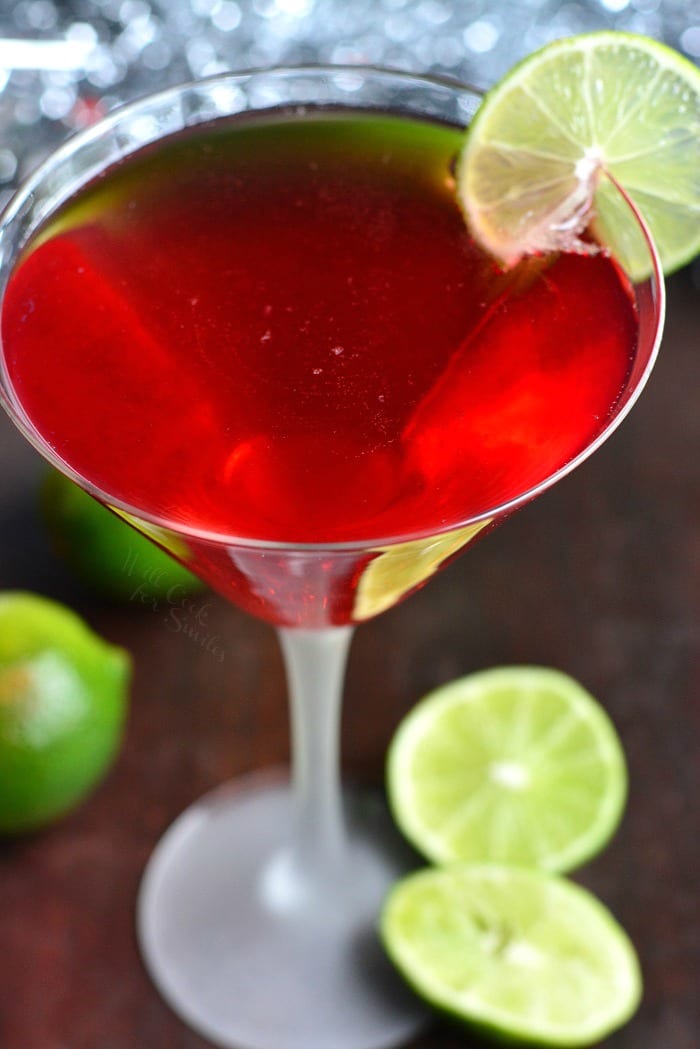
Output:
x=65 y=62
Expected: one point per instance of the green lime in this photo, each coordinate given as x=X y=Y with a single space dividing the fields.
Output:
x=63 y=700
x=517 y=764
x=103 y=551
x=524 y=955
x=530 y=171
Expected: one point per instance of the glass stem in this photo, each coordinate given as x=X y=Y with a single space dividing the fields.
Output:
x=315 y=663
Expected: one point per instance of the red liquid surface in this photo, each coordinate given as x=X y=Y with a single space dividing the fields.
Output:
x=283 y=331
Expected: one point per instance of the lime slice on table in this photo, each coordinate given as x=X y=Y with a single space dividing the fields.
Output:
x=517 y=764
x=522 y=954
x=530 y=170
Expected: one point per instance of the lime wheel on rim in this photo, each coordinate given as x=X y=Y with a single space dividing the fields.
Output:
x=529 y=173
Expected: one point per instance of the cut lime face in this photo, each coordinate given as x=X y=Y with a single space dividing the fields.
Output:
x=517 y=765
x=523 y=955
x=531 y=171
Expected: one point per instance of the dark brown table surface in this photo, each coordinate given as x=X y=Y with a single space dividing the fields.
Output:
x=600 y=577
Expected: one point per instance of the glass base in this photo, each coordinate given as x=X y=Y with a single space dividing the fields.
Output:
x=250 y=953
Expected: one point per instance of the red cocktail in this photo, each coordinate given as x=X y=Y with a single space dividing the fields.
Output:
x=282 y=331
x=269 y=341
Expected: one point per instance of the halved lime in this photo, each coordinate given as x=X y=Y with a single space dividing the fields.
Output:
x=530 y=170
x=516 y=764
x=522 y=954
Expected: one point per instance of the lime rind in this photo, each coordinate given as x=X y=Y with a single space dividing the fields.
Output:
x=516 y=764
x=520 y=954
x=529 y=174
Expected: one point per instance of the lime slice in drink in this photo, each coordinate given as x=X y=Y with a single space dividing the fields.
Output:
x=529 y=175
x=524 y=955
x=397 y=570
x=516 y=764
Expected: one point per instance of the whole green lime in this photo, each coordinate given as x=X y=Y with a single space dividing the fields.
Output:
x=105 y=553
x=63 y=702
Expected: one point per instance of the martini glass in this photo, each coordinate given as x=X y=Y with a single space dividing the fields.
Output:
x=257 y=911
